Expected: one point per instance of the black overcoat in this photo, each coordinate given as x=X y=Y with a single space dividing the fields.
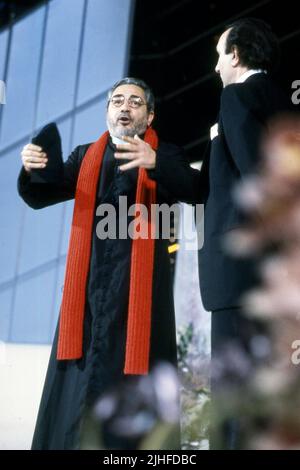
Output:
x=71 y=386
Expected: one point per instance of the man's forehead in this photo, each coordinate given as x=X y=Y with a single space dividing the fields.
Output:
x=222 y=40
x=129 y=90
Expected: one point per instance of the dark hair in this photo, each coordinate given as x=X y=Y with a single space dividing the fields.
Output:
x=257 y=45
x=137 y=82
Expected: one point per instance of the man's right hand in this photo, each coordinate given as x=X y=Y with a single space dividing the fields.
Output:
x=33 y=157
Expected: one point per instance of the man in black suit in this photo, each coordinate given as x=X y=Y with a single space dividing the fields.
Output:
x=248 y=51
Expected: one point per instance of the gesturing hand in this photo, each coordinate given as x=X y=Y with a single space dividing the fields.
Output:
x=139 y=152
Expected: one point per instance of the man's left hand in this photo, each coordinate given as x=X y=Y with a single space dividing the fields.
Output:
x=139 y=152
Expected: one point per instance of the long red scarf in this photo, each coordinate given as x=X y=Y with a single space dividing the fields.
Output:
x=78 y=263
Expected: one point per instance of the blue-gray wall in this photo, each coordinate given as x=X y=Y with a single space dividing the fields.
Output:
x=58 y=63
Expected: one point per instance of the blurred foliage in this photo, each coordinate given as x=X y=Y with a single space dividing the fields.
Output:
x=269 y=402
x=141 y=413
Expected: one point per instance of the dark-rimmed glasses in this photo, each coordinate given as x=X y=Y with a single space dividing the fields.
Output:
x=133 y=101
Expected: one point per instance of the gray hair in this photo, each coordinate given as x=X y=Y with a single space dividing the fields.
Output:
x=137 y=82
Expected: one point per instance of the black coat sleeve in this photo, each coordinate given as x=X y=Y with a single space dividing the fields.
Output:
x=39 y=195
x=243 y=126
x=174 y=174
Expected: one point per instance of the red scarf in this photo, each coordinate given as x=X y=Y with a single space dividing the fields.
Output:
x=78 y=264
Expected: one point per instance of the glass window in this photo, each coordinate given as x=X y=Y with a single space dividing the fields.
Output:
x=31 y=322
x=40 y=237
x=60 y=59
x=22 y=78
x=5 y=304
x=104 y=58
x=11 y=209
x=3 y=46
x=90 y=123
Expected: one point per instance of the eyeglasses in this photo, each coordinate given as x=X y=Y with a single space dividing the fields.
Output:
x=133 y=101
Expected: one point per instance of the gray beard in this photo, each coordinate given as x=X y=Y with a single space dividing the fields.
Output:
x=117 y=130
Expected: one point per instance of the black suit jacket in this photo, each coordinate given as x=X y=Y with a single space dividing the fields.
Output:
x=245 y=110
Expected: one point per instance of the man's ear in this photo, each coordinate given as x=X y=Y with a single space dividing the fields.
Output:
x=150 y=118
x=235 y=61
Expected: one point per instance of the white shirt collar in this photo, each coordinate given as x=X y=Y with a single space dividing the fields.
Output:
x=248 y=74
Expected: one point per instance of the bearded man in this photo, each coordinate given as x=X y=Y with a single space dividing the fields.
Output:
x=117 y=315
